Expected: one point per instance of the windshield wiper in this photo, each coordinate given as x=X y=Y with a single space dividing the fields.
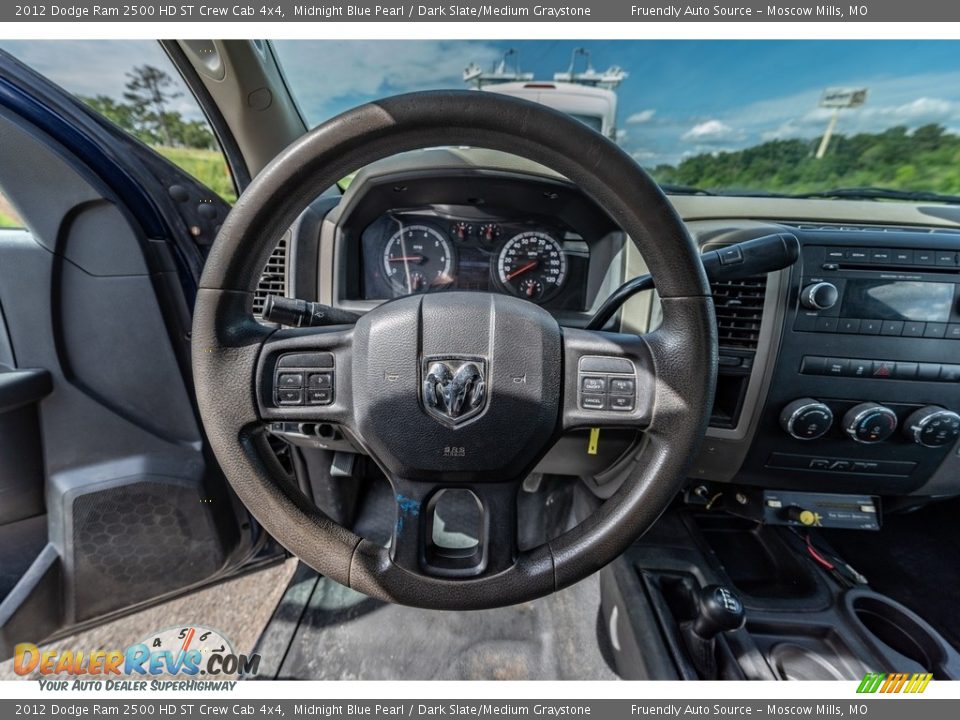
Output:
x=879 y=193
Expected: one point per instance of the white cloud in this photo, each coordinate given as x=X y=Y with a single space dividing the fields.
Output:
x=638 y=118
x=328 y=76
x=712 y=132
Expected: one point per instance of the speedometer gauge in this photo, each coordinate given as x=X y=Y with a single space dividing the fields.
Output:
x=417 y=258
x=532 y=265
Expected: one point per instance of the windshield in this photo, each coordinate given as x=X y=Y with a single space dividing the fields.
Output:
x=734 y=117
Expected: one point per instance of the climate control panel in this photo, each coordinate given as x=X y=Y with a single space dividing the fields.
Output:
x=871 y=423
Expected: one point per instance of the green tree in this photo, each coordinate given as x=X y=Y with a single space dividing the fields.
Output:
x=148 y=92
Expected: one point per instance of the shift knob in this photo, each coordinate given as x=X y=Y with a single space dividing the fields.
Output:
x=718 y=610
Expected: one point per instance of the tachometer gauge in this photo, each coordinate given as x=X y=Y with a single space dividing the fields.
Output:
x=532 y=265
x=417 y=258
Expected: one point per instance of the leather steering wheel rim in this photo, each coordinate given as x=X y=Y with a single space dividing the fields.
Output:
x=228 y=342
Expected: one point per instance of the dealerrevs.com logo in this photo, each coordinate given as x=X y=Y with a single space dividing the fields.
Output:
x=188 y=651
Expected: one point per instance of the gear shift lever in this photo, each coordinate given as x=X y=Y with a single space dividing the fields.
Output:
x=718 y=610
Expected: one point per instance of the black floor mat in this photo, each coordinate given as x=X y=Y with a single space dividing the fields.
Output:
x=913 y=559
x=20 y=544
x=338 y=634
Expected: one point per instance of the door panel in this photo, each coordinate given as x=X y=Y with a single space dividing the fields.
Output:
x=134 y=512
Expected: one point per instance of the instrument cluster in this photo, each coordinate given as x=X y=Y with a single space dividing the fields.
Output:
x=405 y=253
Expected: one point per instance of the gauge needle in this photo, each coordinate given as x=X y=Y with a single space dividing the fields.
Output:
x=407 y=259
x=520 y=270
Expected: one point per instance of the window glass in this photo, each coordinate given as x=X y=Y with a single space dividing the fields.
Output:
x=8 y=216
x=133 y=84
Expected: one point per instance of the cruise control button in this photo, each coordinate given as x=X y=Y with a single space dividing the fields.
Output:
x=290 y=380
x=621 y=402
x=622 y=386
x=289 y=396
x=593 y=384
x=593 y=402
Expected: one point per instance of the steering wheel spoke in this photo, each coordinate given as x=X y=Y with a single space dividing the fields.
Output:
x=609 y=380
x=303 y=376
x=454 y=531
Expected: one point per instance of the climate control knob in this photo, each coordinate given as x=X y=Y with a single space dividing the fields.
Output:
x=933 y=426
x=869 y=423
x=806 y=419
x=819 y=296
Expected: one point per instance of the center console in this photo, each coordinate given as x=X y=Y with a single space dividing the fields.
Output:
x=865 y=392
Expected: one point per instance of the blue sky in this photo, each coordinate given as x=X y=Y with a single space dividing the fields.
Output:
x=682 y=97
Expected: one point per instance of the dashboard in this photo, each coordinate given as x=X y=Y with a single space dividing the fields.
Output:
x=840 y=374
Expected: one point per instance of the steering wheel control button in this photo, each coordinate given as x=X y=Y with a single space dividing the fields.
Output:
x=593 y=384
x=316 y=396
x=320 y=380
x=298 y=382
x=806 y=419
x=593 y=402
x=869 y=423
x=290 y=380
x=615 y=391
x=289 y=396
x=622 y=386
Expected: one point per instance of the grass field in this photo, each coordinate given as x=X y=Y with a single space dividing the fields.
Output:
x=207 y=166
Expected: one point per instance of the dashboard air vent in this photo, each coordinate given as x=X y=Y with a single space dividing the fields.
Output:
x=739 y=306
x=273 y=281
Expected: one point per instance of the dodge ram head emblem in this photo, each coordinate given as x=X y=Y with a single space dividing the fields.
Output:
x=454 y=389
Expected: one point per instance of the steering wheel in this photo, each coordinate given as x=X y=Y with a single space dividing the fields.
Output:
x=453 y=390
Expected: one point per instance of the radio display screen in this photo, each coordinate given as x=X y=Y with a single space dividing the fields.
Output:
x=900 y=300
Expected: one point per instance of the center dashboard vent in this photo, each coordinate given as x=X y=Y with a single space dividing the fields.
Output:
x=739 y=308
x=273 y=280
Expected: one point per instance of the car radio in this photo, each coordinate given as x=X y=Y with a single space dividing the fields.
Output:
x=865 y=392
x=880 y=291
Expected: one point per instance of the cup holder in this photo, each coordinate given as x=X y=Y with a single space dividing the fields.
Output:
x=893 y=627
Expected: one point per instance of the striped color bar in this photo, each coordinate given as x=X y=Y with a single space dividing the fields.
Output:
x=895 y=683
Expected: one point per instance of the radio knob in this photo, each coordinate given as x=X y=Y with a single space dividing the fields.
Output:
x=806 y=419
x=819 y=296
x=869 y=423
x=933 y=426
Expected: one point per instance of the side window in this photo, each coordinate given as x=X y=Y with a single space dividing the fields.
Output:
x=8 y=216
x=133 y=84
